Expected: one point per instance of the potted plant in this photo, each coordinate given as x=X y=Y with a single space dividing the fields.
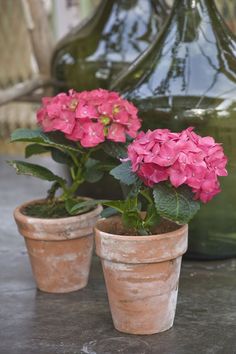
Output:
x=167 y=174
x=71 y=128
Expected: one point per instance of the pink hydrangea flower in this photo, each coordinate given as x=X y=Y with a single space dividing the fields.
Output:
x=94 y=134
x=181 y=158
x=89 y=117
x=57 y=113
x=116 y=133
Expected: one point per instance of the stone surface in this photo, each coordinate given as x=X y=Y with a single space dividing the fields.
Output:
x=80 y=322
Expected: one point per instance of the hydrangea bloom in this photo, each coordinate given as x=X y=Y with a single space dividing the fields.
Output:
x=181 y=158
x=89 y=117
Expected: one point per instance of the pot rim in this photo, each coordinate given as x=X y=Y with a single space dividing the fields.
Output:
x=128 y=249
x=179 y=230
x=20 y=216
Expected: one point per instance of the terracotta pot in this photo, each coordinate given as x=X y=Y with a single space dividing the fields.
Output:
x=141 y=275
x=60 y=250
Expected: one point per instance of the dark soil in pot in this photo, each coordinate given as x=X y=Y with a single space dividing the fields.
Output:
x=49 y=209
x=116 y=227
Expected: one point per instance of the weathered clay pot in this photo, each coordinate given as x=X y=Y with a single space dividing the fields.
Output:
x=141 y=275
x=60 y=250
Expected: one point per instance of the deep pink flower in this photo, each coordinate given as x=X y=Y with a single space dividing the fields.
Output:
x=116 y=133
x=89 y=117
x=57 y=113
x=177 y=174
x=195 y=175
x=134 y=157
x=77 y=133
x=181 y=158
x=41 y=115
x=85 y=110
x=216 y=160
x=130 y=108
x=121 y=115
x=133 y=126
x=160 y=135
x=106 y=108
x=209 y=188
x=94 y=134
x=167 y=155
x=65 y=124
x=151 y=175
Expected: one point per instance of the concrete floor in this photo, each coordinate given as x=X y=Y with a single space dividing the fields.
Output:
x=32 y=322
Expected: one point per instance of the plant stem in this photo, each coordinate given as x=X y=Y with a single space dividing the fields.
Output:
x=74 y=158
x=146 y=195
x=77 y=173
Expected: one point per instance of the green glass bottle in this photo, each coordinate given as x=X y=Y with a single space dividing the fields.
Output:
x=91 y=56
x=228 y=11
x=113 y=37
x=188 y=78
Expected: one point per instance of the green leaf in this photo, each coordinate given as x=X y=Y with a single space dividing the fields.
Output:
x=132 y=220
x=35 y=149
x=130 y=212
x=54 y=139
x=61 y=157
x=52 y=190
x=69 y=205
x=57 y=155
x=74 y=206
x=175 y=204
x=119 y=205
x=116 y=150
x=132 y=190
x=124 y=174
x=152 y=218
x=90 y=163
x=107 y=212
x=93 y=172
x=123 y=206
x=27 y=135
x=131 y=204
x=30 y=169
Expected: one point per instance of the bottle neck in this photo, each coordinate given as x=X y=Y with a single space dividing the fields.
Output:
x=191 y=7
x=122 y=4
x=192 y=4
x=194 y=16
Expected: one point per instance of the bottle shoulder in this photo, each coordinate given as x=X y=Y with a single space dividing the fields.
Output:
x=182 y=64
x=120 y=33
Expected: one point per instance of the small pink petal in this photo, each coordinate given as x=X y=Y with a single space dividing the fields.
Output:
x=116 y=133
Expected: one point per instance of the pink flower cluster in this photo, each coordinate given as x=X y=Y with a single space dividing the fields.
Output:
x=89 y=117
x=181 y=158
